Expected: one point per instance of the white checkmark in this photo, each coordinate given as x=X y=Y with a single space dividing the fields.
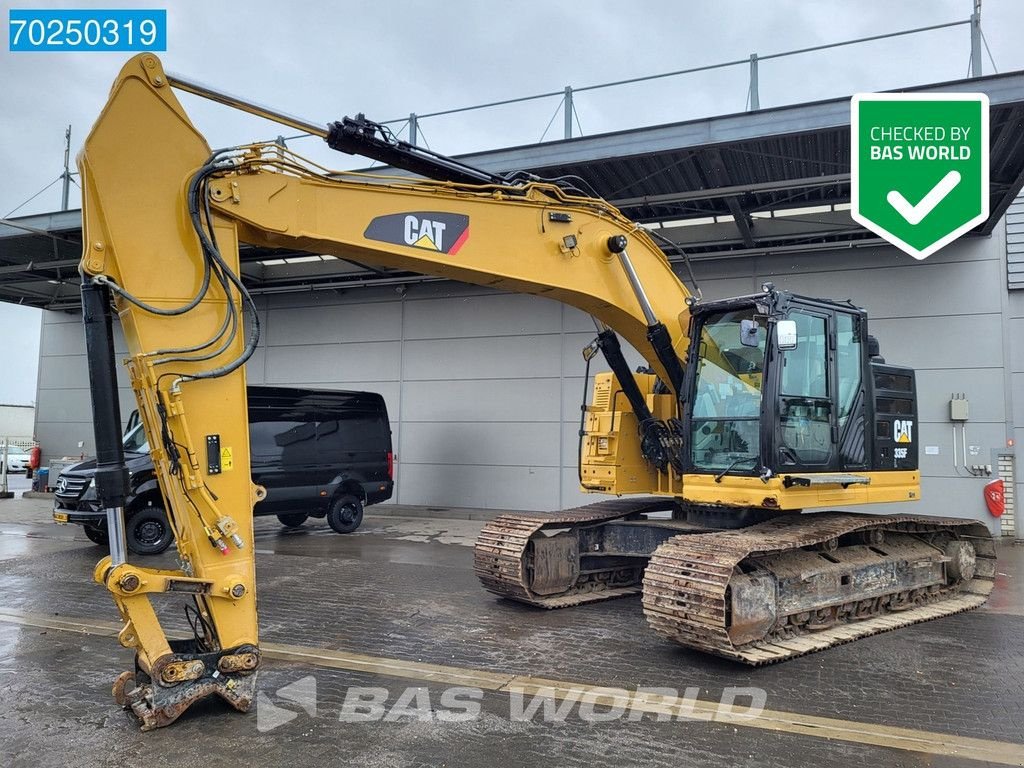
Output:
x=916 y=213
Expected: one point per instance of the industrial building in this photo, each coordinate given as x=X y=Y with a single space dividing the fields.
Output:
x=16 y=422
x=484 y=388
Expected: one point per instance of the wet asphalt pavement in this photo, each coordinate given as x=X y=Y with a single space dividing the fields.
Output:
x=403 y=588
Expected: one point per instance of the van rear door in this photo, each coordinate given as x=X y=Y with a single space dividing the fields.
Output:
x=282 y=442
x=353 y=442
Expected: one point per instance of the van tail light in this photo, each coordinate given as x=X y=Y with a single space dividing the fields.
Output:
x=391 y=466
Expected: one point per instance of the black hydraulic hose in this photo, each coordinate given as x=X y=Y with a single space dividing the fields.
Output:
x=213 y=255
x=228 y=328
x=204 y=286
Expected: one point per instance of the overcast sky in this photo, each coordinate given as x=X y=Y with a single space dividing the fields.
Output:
x=322 y=60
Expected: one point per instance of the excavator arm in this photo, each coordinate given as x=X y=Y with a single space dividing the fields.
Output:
x=163 y=218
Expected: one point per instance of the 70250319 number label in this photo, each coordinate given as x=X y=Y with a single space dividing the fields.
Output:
x=83 y=29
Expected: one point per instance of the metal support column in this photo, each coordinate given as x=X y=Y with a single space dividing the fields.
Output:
x=413 y=128
x=976 y=40
x=755 y=100
x=567 y=109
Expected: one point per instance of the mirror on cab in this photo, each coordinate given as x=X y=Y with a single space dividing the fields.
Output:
x=748 y=333
x=785 y=334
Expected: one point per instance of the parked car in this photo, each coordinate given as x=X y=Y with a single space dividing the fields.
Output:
x=318 y=453
x=17 y=459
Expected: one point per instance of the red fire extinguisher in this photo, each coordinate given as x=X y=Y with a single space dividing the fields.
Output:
x=994 y=498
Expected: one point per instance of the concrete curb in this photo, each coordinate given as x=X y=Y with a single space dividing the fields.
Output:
x=381 y=510
x=436 y=513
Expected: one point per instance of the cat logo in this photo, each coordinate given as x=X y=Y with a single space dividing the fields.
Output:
x=903 y=431
x=430 y=230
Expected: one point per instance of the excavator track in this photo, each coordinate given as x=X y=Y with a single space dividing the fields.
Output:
x=506 y=564
x=697 y=587
x=786 y=587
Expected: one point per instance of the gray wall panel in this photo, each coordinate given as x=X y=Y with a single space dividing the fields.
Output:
x=1015 y=304
x=1016 y=330
x=971 y=341
x=256 y=368
x=511 y=357
x=66 y=405
x=334 y=323
x=488 y=315
x=487 y=487
x=475 y=400
x=67 y=338
x=577 y=321
x=475 y=443
x=981 y=438
x=64 y=372
x=71 y=372
x=334 y=362
x=984 y=387
x=1018 y=400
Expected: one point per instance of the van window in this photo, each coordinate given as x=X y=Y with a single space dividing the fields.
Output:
x=353 y=431
x=282 y=441
x=135 y=441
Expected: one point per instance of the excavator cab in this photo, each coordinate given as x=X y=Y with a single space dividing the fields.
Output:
x=784 y=404
x=783 y=385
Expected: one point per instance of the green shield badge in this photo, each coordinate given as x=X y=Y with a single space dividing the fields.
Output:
x=919 y=166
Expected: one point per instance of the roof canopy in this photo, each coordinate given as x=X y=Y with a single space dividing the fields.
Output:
x=771 y=181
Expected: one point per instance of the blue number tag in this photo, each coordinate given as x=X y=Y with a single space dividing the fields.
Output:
x=87 y=30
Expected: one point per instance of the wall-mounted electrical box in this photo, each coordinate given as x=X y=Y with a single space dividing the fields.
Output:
x=958 y=407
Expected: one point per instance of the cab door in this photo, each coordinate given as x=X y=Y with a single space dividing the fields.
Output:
x=820 y=402
x=806 y=432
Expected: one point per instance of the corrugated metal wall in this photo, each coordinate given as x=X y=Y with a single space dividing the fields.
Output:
x=1015 y=245
x=1008 y=522
x=484 y=388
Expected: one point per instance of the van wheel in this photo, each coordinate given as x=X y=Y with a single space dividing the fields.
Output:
x=293 y=520
x=346 y=514
x=148 y=531
x=96 y=535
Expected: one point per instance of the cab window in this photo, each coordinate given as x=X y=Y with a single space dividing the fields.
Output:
x=727 y=396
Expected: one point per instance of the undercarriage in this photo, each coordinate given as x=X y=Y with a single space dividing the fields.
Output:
x=764 y=592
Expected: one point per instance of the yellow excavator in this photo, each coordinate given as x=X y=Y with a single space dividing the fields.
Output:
x=751 y=409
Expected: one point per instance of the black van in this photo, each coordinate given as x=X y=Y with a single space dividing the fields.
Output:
x=319 y=453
